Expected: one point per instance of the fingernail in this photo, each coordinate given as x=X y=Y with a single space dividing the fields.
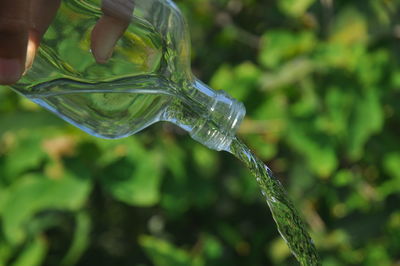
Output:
x=10 y=71
x=30 y=54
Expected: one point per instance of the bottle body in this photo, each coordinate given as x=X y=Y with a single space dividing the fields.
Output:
x=103 y=111
x=147 y=78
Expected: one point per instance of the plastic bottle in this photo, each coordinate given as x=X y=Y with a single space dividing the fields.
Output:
x=146 y=79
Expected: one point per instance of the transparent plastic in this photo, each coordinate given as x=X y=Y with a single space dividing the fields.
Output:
x=147 y=79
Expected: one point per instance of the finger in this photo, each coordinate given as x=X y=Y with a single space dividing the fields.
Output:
x=42 y=14
x=110 y=27
x=105 y=35
x=14 y=24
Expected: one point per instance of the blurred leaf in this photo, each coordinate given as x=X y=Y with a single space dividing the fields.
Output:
x=3 y=198
x=33 y=254
x=176 y=164
x=338 y=104
x=343 y=178
x=163 y=253
x=294 y=8
x=279 y=250
x=380 y=9
x=289 y=73
x=308 y=102
x=279 y=45
x=80 y=240
x=17 y=160
x=229 y=234
x=366 y=120
x=6 y=251
x=391 y=163
x=176 y=181
x=320 y=156
x=395 y=79
x=266 y=149
x=213 y=248
x=338 y=55
x=371 y=67
x=273 y=106
x=28 y=120
x=350 y=27
x=206 y=160
x=239 y=82
x=133 y=182
x=243 y=188
x=35 y=193
x=134 y=179
x=377 y=254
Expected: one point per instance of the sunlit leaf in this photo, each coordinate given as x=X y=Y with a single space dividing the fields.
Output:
x=239 y=82
x=350 y=27
x=294 y=7
x=278 y=46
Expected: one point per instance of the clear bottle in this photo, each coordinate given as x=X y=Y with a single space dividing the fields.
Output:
x=147 y=79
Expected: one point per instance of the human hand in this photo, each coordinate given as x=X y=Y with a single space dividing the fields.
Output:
x=24 y=22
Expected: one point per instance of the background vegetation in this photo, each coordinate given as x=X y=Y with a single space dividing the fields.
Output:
x=321 y=83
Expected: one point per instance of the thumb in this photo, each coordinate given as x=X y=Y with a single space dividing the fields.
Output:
x=14 y=25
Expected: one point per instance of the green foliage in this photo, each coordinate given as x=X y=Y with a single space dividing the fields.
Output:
x=321 y=83
x=33 y=254
x=278 y=46
x=134 y=178
x=34 y=193
x=293 y=7
x=163 y=253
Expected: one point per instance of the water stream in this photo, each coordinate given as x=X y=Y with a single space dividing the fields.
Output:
x=290 y=225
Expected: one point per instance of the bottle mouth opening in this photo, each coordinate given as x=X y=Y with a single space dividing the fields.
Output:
x=237 y=116
x=224 y=117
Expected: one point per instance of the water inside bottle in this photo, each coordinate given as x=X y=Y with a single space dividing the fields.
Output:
x=106 y=112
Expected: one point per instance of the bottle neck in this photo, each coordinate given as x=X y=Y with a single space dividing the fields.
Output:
x=211 y=117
